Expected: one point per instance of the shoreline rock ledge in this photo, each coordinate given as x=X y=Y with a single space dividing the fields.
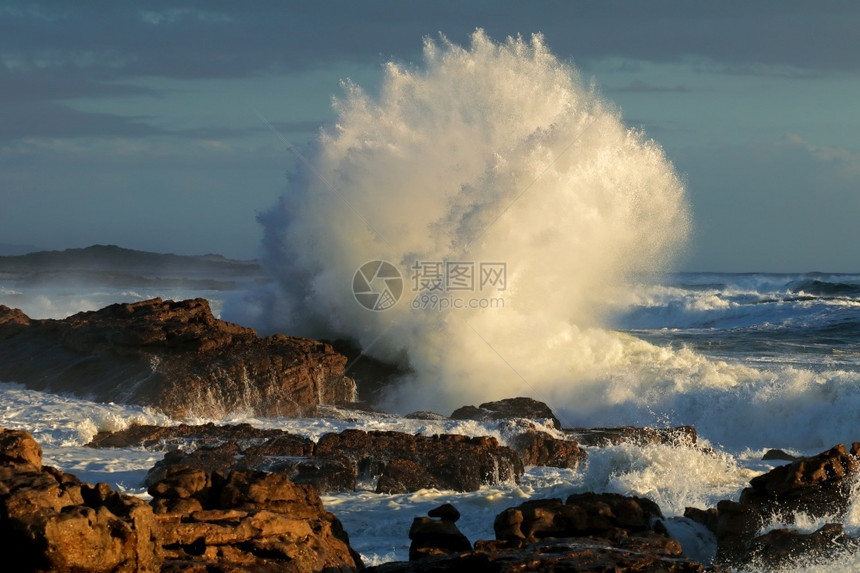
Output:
x=173 y=356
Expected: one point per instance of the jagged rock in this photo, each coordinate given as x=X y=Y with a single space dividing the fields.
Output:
x=208 y=458
x=243 y=520
x=19 y=447
x=424 y=415
x=408 y=462
x=581 y=554
x=538 y=448
x=588 y=514
x=816 y=485
x=155 y=437
x=434 y=537
x=778 y=548
x=326 y=475
x=733 y=524
x=521 y=407
x=591 y=532
x=51 y=521
x=629 y=434
x=174 y=356
x=396 y=462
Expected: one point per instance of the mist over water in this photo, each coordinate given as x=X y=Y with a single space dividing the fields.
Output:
x=495 y=152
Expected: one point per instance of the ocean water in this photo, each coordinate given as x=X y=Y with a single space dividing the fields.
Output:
x=500 y=156
x=753 y=361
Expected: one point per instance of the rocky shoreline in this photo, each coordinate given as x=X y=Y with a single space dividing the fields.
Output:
x=211 y=508
x=240 y=498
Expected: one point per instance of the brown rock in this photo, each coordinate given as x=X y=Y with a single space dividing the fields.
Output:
x=209 y=459
x=452 y=462
x=19 y=447
x=175 y=356
x=249 y=521
x=49 y=520
x=589 y=514
x=816 y=485
x=538 y=448
x=579 y=554
x=169 y=437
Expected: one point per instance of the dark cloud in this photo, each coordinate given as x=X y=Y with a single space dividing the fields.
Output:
x=220 y=38
x=45 y=119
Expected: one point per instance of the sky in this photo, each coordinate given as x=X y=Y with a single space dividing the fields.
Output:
x=161 y=125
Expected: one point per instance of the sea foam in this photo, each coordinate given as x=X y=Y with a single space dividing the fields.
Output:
x=491 y=153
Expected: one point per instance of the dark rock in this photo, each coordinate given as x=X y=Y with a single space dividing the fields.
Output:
x=372 y=376
x=326 y=475
x=590 y=532
x=50 y=521
x=780 y=548
x=599 y=437
x=817 y=485
x=538 y=448
x=452 y=462
x=166 y=437
x=174 y=356
x=606 y=515
x=733 y=524
x=208 y=459
x=521 y=407
x=778 y=455
x=434 y=537
x=581 y=554
x=423 y=415
x=445 y=512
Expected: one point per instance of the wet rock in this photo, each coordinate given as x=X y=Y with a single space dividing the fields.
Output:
x=49 y=520
x=817 y=485
x=208 y=459
x=434 y=537
x=733 y=524
x=167 y=437
x=582 y=554
x=606 y=515
x=780 y=548
x=407 y=462
x=174 y=356
x=590 y=532
x=326 y=475
x=424 y=415
x=521 y=407
x=538 y=448
x=600 y=437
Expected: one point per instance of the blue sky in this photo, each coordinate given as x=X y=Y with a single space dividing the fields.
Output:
x=138 y=123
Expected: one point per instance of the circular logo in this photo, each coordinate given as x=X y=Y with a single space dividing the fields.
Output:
x=377 y=285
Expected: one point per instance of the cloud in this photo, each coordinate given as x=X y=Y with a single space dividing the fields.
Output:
x=44 y=119
x=844 y=160
x=641 y=86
